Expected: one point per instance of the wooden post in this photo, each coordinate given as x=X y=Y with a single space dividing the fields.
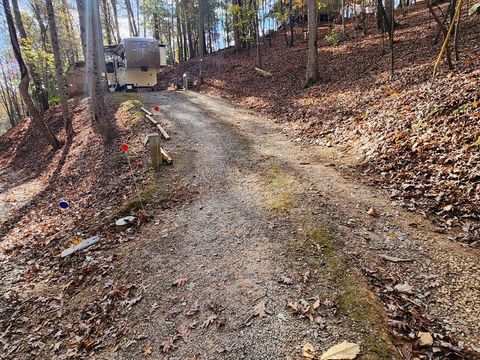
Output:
x=152 y=140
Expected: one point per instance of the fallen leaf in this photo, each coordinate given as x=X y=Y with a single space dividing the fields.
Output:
x=372 y=212
x=405 y=288
x=306 y=276
x=193 y=310
x=184 y=332
x=75 y=240
x=286 y=280
x=216 y=307
x=147 y=350
x=448 y=208
x=292 y=305
x=172 y=313
x=261 y=310
x=180 y=282
x=425 y=339
x=343 y=351
x=399 y=324
x=168 y=344
x=209 y=321
x=309 y=351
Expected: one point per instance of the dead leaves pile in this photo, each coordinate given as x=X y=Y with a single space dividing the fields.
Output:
x=415 y=335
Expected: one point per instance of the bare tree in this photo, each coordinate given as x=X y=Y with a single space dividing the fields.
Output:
x=257 y=37
x=201 y=35
x=115 y=20
x=312 y=66
x=41 y=94
x=106 y=21
x=94 y=66
x=131 y=19
x=61 y=81
x=83 y=31
x=25 y=81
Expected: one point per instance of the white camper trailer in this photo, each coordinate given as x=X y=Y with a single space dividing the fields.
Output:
x=134 y=64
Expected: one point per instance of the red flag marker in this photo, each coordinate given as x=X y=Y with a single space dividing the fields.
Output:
x=124 y=148
x=156 y=108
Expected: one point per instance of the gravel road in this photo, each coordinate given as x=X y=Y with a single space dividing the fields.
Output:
x=276 y=223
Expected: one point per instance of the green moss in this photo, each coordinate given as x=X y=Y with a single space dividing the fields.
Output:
x=131 y=105
x=277 y=188
x=356 y=303
x=150 y=195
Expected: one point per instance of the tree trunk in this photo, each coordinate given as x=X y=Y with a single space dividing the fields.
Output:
x=25 y=80
x=257 y=37
x=156 y=26
x=392 y=29
x=41 y=94
x=227 y=27
x=191 y=47
x=290 y=21
x=184 y=36
x=312 y=66
x=115 y=20
x=61 y=81
x=131 y=19
x=83 y=32
x=106 y=22
x=201 y=35
x=95 y=83
x=179 y=56
x=236 y=28
x=41 y=25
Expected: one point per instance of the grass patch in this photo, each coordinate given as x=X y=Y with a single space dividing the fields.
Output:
x=279 y=195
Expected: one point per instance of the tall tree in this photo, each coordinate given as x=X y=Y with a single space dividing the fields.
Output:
x=41 y=94
x=61 y=81
x=83 y=31
x=312 y=66
x=131 y=19
x=236 y=27
x=106 y=21
x=25 y=81
x=94 y=73
x=257 y=36
x=115 y=20
x=201 y=35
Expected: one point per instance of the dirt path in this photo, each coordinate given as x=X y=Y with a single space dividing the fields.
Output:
x=12 y=195
x=274 y=224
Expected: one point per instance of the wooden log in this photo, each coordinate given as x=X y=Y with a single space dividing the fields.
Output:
x=146 y=111
x=159 y=127
x=167 y=159
x=264 y=73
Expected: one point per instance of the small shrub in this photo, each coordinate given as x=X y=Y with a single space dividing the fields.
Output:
x=54 y=100
x=333 y=37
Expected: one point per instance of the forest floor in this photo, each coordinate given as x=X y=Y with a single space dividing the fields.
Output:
x=255 y=247
x=266 y=238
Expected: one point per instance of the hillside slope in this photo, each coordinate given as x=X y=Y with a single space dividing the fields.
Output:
x=418 y=138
